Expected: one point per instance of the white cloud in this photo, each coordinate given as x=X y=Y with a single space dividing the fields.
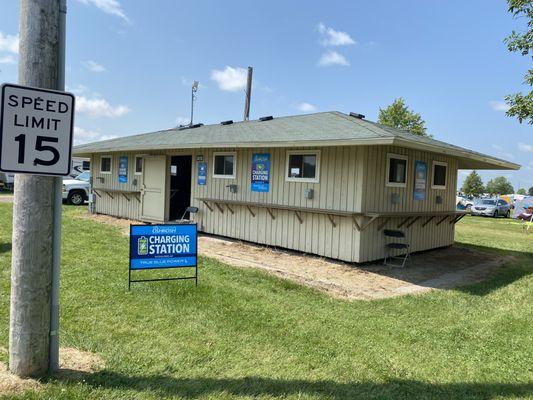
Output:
x=499 y=105
x=496 y=147
x=93 y=66
x=305 y=107
x=111 y=7
x=99 y=108
x=85 y=136
x=528 y=148
x=333 y=58
x=230 y=79
x=77 y=90
x=9 y=59
x=9 y=43
x=331 y=37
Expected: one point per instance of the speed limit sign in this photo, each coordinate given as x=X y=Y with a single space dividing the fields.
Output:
x=36 y=130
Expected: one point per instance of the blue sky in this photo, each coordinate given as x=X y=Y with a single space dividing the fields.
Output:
x=131 y=64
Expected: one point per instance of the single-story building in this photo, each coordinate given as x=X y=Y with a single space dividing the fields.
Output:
x=326 y=183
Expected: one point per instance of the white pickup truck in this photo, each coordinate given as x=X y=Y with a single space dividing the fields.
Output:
x=76 y=191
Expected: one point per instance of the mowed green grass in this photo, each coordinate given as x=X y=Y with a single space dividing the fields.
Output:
x=242 y=334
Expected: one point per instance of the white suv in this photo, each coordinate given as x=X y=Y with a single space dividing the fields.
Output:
x=76 y=191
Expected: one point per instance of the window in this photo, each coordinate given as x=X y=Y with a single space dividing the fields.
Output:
x=396 y=170
x=224 y=165
x=439 y=175
x=105 y=164
x=138 y=165
x=303 y=166
x=86 y=165
x=84 y=176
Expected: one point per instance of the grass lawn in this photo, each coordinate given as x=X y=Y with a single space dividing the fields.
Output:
x=242 y=334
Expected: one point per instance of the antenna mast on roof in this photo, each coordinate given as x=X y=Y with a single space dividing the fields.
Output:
x=194 y=89
x=248 y=94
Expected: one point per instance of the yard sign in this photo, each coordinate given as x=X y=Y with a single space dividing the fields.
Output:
x=36 y=127
x=163 y=246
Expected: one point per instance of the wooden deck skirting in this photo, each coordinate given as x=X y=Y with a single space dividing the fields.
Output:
x=368 y=217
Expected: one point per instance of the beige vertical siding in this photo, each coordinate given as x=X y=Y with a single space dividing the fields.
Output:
x=351 y=179
x=338 y=184
x=377 y=198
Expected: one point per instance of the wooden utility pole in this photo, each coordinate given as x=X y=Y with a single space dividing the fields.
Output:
x=248 y=94
x=31 y=268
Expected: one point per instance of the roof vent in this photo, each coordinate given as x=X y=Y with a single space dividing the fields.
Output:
x=270 y=117
x=356 y=115
x=181 y=128
x=228 y=122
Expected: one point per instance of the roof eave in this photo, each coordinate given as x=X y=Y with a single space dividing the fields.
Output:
x=81 y=152
x=471 y=160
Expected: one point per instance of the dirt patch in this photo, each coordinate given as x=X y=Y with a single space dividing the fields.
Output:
x=73 y=364
x=436 y=269
x=122 y=223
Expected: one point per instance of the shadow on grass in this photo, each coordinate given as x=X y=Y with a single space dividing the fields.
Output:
x=520 y=266
x=258 y=386
x=5 y=247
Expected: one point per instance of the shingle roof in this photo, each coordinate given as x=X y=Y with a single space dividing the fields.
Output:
x=319 y=129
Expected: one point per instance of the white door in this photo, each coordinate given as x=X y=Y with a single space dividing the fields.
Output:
x=153 y=188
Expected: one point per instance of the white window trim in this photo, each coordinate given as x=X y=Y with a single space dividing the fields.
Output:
x=135 y=164
x=387 y=171
x=110 y=165
x=316 y=179
x=225 y=153
x=444 y=164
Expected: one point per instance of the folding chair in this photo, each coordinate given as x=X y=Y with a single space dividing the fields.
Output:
x=190 y=210
x=401 y=243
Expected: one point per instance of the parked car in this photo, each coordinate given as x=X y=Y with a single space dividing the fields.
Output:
x=464 y=203
x=7 y=181
x=76 y=191
x=492 y=208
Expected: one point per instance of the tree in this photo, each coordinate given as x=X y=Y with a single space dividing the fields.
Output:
x=499 y=185
x=520 y=104
x=530 y=191
x=521 y=191
x=473 y=185
x=398 y=115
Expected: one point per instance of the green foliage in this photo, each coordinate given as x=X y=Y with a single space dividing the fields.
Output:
x=244 y=334
x=473 y=185
x=521 y=191
x=530 y=191
x=500 y=185
x=520 y=104
x=399 y=116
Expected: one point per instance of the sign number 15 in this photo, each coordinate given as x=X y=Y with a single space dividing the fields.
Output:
x=21 y=140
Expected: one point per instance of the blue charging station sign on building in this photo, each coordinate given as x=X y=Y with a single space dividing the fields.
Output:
x=163 y=246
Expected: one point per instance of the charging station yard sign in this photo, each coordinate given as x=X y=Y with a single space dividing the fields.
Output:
x=36 y=130
x=163 y=246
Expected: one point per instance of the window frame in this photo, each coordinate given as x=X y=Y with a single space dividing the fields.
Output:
x=387 y=171
x=135 y=164
x=316 y=153
x=225 y=153
x=110 y=164
x=442 y=164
